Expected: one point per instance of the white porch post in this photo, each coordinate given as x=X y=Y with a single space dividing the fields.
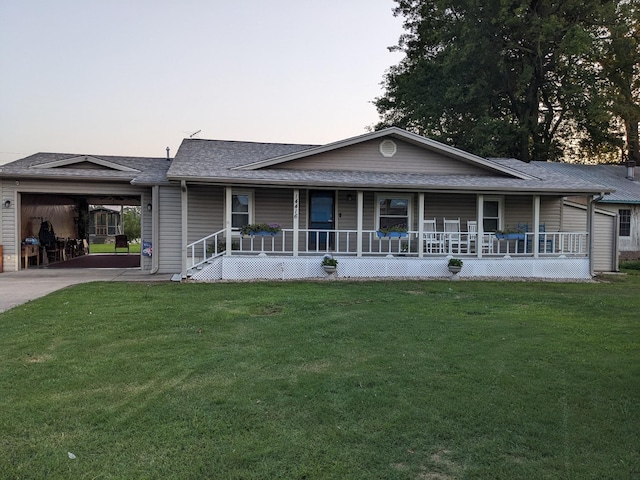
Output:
x=296 y=221
x=184 y=199
x=228 y=201
x=420 y=225
x=480 y=228
x=536 y=226
x=155 y=229
x=590 y=208
x=359 y=206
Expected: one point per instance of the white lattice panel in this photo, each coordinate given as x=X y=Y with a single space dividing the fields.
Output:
x=238 y=267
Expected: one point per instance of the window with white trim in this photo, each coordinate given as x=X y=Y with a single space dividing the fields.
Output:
x=241 y=209
x=492 y=214
x=625 y=222
x=393 y=210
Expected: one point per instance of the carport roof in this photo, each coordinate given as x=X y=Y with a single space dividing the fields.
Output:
x=69 y=166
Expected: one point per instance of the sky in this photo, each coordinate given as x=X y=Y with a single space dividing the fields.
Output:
x=132 y=77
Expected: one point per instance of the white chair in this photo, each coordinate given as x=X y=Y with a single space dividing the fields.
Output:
x=472 y=235
x=432 y=239
x=452 y=234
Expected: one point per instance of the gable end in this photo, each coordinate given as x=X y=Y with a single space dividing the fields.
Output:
x=86 y=162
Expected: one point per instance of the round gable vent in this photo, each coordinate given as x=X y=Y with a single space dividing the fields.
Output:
x=388 y=148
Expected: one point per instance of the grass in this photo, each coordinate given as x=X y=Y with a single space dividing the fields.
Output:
x=108 y=248
x=364 y=380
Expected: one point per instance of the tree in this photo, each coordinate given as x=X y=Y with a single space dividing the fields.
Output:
x=131 y=220
x=619 y=58
x=500 y=78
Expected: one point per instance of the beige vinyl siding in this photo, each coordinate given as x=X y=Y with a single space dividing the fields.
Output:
x=450 y=207
x=574 y=219
x=366 y=157
x=8 y=232
x=604 y=243
x=206 y=211
x=170 y=227
x=551 y=213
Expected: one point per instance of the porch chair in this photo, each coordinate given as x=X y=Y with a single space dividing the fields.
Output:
x=121 y=242
x=432 y=239
x=486 y=244
x=472 y=235
x=545 y=242
x=526 y=243
x=453 y=237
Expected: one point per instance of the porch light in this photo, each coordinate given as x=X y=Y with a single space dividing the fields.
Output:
x=349 y=197
x=7 y=203
x=149 y=206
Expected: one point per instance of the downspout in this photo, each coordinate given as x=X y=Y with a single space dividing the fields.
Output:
x=590 y=221
x=155 y=230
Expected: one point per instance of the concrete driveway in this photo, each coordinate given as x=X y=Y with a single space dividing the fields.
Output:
x=17 y=288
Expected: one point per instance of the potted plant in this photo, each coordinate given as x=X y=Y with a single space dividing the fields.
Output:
x=455 y=265
x=261 y=229
x=392 y=231
x=508 y=234
x=329 y=264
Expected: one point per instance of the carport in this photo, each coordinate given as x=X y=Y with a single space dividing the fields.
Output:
x=53 y=193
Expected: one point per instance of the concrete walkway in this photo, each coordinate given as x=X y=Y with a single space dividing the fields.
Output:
x=17 y=288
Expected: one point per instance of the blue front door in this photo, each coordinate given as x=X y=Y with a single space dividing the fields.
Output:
x=321 y=216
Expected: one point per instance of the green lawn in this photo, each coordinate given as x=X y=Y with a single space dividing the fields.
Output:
x=329 y=380
x=109 y=248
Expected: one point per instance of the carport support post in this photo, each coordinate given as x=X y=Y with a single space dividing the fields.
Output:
x=590 y=208
x=184 y=197
x=155 y=230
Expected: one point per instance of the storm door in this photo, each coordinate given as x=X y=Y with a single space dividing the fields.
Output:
x=321 y=217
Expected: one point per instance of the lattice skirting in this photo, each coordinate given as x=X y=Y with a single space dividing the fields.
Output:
x=239 y=267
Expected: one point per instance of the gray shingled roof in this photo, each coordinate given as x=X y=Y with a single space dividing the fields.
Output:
x=149 y=170
x=611 y=176
x=215 y=161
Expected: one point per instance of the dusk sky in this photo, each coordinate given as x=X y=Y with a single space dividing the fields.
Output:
x=134 y=77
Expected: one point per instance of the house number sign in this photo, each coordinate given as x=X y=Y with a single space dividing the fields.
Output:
x=296 y=203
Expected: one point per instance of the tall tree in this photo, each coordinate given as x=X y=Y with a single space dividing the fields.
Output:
x=497 y=77
x=620 y=61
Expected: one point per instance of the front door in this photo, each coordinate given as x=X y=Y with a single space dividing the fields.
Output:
x=321 y=216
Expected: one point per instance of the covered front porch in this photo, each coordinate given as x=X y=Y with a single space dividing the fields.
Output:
x=537 y=247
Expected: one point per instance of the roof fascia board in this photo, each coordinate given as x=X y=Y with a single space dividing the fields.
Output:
x=68 y=178
x=85 y=158
x=397 y=133
x=515 y=190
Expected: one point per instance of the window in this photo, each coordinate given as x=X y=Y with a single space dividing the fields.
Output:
x=492 y=213
x=394 y=210
x=625 y=222
x=241 y=209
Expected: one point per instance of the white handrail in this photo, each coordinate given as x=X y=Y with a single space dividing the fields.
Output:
x=318 y=241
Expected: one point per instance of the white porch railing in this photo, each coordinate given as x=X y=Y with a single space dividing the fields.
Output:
x=345 y=242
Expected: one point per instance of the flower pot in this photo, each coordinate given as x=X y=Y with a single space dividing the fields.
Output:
x=262 y=234
x=391 y=234
x=454 y=269
x=329 y=268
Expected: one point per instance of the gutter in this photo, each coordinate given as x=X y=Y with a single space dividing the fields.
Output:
x=516 y=189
